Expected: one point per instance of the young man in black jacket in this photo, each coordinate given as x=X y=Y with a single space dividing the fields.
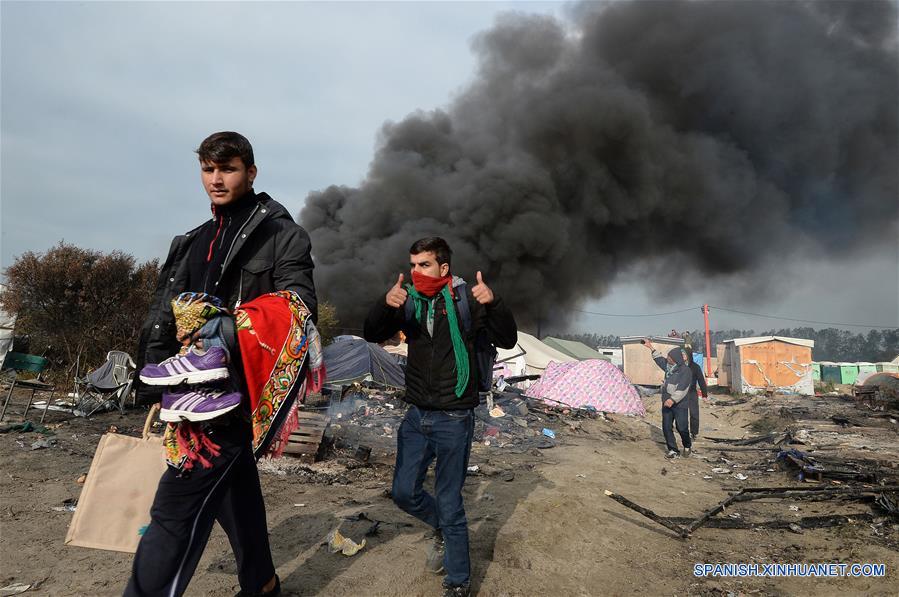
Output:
x=442 y=390
x=250 y=247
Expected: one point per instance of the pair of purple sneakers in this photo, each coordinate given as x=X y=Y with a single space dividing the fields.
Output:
x=193 y=368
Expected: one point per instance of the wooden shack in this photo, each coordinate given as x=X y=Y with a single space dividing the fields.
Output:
x=723 y=369
x=637 y=359
x=768 y=364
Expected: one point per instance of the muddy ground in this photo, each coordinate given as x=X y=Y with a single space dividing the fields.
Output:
x=540 y=523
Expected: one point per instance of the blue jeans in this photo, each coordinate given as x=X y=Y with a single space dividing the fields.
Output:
x=445 y=435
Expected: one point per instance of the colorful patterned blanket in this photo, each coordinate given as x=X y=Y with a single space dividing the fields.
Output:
x=282 y=359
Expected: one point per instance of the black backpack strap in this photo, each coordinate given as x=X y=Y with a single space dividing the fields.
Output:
x=409 y=309
x=464 y=309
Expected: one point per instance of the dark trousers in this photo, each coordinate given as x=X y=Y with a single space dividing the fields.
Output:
x=678 y=415
x=693 y=404
x=184 y=510
x=426 y=435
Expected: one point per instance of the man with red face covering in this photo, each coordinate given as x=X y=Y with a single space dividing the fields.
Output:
x=442 y=390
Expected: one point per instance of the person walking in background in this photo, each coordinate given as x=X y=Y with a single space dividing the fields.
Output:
x=677 y=382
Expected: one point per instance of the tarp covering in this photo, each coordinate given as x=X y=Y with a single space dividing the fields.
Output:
x=578 y=350
x=594 y=383
x=401 y=349
x=881 y=380
x=354 y=359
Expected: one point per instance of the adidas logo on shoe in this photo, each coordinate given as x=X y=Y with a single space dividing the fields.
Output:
x=199 y=405
x=191 y=368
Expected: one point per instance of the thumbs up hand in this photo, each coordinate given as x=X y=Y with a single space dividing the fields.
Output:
x=396 y=296
x=481 y=292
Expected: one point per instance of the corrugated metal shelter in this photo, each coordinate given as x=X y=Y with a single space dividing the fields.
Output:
x=637 y=359
x=578 y=350
x=770 y=363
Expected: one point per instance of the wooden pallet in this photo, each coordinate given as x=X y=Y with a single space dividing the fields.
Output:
x=305 y=441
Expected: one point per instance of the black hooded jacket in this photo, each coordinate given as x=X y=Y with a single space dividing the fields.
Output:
x=431 y=364
x=265 y=251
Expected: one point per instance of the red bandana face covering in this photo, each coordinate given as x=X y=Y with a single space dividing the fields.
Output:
x=429 y=286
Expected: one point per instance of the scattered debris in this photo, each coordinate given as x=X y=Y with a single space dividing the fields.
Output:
x=819 y=467
x=25 y=427
x=345 y=545
x=362 y=454
x=305 y=441
x=756 y=493
x=46 y=442
x=769 y=438
x=647 y=513
x=732 y=402
x=14 y=589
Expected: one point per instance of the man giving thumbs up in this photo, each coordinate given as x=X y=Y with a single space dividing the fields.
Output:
x=442 y=390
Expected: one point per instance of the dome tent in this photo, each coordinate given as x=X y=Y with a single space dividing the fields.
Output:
x=595 y=383
x=353 y=359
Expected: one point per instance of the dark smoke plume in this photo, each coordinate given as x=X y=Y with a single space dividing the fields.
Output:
x=709 y=137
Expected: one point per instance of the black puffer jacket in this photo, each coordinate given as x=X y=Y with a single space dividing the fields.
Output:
x=269 y=253
x=431 y=364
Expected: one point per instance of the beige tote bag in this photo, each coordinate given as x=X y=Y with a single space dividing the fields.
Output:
x=114 y=508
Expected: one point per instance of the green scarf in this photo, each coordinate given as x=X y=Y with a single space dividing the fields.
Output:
x=459 y=350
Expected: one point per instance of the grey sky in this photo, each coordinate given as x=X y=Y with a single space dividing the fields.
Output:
x=103 y=104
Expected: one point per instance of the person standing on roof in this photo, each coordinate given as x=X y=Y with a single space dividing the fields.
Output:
x=442 y=318
x=678 y=380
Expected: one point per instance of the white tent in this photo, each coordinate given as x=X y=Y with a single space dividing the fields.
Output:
x=7 y=325
x=530 y=356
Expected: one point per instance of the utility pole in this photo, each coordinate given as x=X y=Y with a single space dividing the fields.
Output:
x=708 y=342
